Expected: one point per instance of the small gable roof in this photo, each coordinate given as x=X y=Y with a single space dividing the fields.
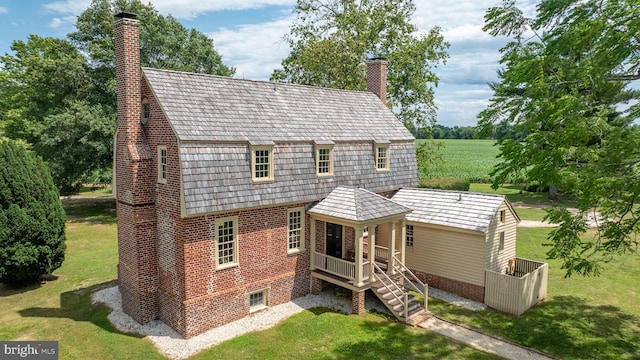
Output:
x=357 y=205
x=207 y=108
x=460 y=209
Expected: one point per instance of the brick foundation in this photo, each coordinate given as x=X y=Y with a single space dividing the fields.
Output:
x=470 y=291
x=357 y=302
x=316 y=286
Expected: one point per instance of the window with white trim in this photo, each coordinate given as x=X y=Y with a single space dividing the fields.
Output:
x=501 y=245
x=409 y=235
x=382 y=157
x=295 y=229
x=365 y=231
x=257 y=300
x=324 y=160
x=503 y=216
x=262 y=163
x=162 y=164
x=227 y=242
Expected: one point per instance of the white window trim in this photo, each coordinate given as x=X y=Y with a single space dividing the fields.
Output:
x=265 y=299
x=302 y=230
x=413 y=236
x=236 y=252
x=163 y=168
x=503 y=216
x=386 y=167
x=253 y=163
x=324 y=147
x=501 y=240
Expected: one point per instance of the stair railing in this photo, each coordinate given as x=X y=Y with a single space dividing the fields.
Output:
x=381 y=274
x=411 y=280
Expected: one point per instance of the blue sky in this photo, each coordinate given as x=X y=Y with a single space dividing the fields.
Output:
x=248 y=35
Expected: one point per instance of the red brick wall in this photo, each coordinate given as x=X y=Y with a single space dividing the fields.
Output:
x=137 y=268
x=377 y=78
x=470 y=291
x=216 y=297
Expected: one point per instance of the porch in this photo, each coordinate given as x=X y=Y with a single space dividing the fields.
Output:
x=346 y=250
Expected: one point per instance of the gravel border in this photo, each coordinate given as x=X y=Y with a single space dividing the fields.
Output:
x=171 y=344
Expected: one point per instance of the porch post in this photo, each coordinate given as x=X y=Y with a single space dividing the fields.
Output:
x=359 y=241
x=372 y=249
x=392 y=249
x=403 y=245
x=312 y=249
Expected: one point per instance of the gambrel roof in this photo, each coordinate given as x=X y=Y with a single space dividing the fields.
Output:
x=221 y=109
x=460 y=209
x=217 y=119
x=357 y=205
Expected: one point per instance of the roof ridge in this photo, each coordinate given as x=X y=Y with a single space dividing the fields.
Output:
x=454 y=191
x=260 y=81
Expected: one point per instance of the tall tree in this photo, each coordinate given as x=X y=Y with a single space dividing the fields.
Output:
x=59 y=95
x=164 y=43
x=565 y=84
x=331 y=41
x=32 y=221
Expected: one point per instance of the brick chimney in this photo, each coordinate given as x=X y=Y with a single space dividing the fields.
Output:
x=377 y=78
x=134 y=182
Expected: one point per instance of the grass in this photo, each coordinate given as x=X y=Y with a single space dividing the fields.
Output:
x=61 y=310
x=582 y=318
x=466 y=159
x=323 y=334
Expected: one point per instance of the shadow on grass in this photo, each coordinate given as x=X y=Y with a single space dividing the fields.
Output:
x=76 y=305
x=398 y=341
x=94 y=210
x=568 y=327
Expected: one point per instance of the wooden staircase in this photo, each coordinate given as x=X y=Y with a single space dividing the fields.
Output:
x=393 y=291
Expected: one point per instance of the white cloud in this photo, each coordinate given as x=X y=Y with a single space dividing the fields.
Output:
x=68 y=7
x=254 y=49
x=189 y=9
x=4 y=10
x=55 y=22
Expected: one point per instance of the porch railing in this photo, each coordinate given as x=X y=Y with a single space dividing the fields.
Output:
x=380 y=252
x=339 y=267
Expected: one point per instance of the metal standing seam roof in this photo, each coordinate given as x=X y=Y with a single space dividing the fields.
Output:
x=465 y=210
x=357 y=204
x=222 y=109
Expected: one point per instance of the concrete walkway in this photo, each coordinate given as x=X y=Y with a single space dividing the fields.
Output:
x=481 y=341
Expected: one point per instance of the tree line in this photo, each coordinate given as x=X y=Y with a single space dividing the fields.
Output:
x=497 y=132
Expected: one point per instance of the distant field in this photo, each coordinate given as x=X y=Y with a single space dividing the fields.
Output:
x=466 y=159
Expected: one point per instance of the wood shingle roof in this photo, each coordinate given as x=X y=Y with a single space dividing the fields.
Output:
x=358 y=205
x=223 y=109
x=465 y=210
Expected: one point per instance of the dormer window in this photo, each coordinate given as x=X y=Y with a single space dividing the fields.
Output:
x=262 y=163
x=144 y=111
x=382 y=157
x=324 y=160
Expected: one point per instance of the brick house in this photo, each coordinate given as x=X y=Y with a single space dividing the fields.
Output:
x=235 y=195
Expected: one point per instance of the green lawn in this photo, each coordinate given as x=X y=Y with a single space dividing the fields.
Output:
x=582 y=318
x=61 y=310
x=323 y=334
